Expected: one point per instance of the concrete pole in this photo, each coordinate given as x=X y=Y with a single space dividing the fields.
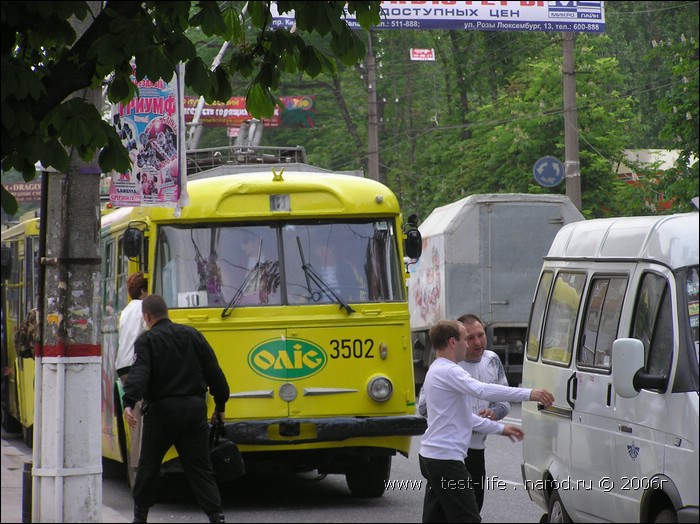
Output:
x=67 y=462
x=572 y=164
x=372 y=117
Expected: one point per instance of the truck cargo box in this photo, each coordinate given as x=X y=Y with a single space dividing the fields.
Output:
x=482 y=255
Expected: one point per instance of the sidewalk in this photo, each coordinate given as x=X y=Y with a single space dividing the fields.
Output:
x=13 y=461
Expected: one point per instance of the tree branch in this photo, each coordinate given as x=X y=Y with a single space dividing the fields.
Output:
x=75 y=71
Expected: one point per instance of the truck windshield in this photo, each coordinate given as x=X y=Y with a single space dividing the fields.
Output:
x=240 y=265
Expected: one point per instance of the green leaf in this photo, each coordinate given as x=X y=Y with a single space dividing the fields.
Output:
x=366 y=13
x=223 y=84
x=259 y=13
x=155 y=64
x=120 y=88
x=197 y=76
x=259 y=101
x=114 y=156
x=210 y=19
x=243 y=63
x=8 y=201
x=54 y=155
x=310 y=62
x=234 y=29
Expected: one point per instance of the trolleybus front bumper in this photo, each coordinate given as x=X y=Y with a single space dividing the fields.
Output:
x=301 y=431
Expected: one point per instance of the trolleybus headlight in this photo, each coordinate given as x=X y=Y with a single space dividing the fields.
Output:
x=380 y=389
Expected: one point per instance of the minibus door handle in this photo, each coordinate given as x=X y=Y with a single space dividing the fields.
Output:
x=571 y=386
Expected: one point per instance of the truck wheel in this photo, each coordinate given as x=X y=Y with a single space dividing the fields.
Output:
x=557 y=513
x=369 y=478
x=666 y=515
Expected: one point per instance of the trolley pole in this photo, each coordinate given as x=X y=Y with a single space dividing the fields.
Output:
x=372 y=117
x=67 y=454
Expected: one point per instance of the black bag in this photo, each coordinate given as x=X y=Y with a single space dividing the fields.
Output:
x=225 y=456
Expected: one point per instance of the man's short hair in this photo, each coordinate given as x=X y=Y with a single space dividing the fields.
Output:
x=442 y=332
x=135 y=283
x=470 y=319
x=155 y=306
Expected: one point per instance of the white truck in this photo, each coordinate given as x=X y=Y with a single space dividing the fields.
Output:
x=482 y=255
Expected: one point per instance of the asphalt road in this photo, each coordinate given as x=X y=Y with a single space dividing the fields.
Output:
x=268 y=497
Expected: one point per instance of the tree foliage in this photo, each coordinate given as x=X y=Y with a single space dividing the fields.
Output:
x=43 y=63
x=473 y=121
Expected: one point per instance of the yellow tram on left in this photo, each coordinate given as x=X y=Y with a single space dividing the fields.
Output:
x=20 y=244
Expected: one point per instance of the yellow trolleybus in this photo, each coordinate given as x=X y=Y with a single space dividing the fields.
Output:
x=297 y=278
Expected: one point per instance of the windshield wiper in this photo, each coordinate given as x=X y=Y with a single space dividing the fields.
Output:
x=242 y=291
x=317 y=279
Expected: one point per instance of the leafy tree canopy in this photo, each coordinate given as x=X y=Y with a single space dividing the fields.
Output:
x=44 y=63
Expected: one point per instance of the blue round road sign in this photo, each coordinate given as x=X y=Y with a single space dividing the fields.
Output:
x=548 y=171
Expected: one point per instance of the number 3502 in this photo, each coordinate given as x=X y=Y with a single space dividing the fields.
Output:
x=352 y=348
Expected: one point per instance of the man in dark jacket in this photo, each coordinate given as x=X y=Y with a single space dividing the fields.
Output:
x=173 y=368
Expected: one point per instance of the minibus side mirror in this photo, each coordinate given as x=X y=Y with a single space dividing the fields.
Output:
x=133 y=240
x=628 y=374
x=627 y=360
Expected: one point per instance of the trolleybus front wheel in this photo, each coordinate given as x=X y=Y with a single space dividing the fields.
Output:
x=369 y=479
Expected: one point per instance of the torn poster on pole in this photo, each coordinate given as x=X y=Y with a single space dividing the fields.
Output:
x=151 y=127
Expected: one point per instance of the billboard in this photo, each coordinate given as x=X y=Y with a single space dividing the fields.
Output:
x=582 y=17
x=25 y=191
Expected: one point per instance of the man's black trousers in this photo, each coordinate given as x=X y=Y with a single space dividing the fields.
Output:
x=182 y=422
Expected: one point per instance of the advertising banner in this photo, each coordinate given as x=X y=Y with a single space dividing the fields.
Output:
x=299 y=111
x=25 y=191
x=151 y=127
x=582 y=17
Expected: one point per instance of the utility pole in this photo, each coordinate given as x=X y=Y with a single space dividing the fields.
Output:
x=572 y=164
x=67 y=451
x=372 y=117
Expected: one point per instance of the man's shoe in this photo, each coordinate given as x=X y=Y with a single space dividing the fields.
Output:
x=217 y=517
x=140 y=514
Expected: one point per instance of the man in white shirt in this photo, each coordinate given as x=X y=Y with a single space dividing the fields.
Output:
x=448 y=391
x=131 y=325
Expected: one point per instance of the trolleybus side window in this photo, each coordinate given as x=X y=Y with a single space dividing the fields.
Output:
x=31 y=260
x=122 y=270
x=110 y=292
x=13 y=290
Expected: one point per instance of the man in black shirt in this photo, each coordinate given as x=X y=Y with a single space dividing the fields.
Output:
x=173 y=368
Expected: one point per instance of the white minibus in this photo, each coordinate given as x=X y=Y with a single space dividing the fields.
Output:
x=613 y=333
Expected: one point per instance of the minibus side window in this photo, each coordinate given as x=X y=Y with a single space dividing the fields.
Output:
x=538 y=307
x=560 y=324
x=653 y=324
x=601 y=321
